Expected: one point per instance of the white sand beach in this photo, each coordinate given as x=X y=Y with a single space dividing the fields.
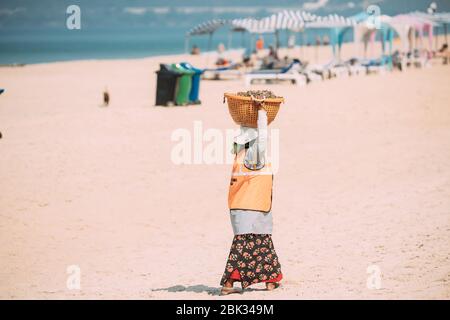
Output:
x=364 y=180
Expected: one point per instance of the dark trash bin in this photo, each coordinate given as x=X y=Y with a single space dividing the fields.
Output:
x=196 y=77
x=166 y=85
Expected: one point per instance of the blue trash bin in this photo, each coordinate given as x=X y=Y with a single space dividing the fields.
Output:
x=195 y=89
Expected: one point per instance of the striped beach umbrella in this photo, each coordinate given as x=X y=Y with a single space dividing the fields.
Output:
x=331 y=21
x=293 y=20
x=438 y=18
x=207 y=27
x=246 y=24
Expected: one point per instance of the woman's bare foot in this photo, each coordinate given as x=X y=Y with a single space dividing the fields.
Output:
x=228 y=288
x=270 y=286
x=225 y=291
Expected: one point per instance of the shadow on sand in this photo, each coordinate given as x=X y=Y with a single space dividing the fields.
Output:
x=199 y=288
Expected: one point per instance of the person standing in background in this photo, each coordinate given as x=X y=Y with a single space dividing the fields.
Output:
x=260 y=43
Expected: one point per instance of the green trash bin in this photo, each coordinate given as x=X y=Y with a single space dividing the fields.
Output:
x=184 y=84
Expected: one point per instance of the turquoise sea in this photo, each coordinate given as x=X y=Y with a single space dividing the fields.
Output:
x=35 y=31
x=40 y=46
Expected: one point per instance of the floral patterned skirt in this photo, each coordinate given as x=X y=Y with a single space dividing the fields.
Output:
x=252 y=259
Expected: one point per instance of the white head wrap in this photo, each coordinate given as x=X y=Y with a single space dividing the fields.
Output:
x=255 y=155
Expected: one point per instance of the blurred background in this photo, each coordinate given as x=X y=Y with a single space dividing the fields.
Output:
x=35 y=31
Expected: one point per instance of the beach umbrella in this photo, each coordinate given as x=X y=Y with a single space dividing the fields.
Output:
x=243 y=25
x=367 y=27
x=247 y=24
x=283 y=20
x=336 y=25
x=205 y=28
x=293 y=20
x=250 y=25
x=406 y=26
x=289 y=20
x=443 y=19
x=257 y=26
x=331 y=21
x=439 y=19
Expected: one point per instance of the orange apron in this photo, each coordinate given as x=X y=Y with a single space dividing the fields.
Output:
x=250 y=189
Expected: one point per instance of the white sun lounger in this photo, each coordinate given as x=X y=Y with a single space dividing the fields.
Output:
x=420 y=62
x=289 y=73
x=339 y=71
x=222 y=74
x=380 y=66
x=331 y=69
x=297 y=78
x=382 y=69
x=312 y=76
x=357 y=70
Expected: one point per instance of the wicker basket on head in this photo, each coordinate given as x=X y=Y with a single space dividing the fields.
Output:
x=244 y=110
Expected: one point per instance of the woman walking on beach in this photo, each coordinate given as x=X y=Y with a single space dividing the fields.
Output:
x=252 y=257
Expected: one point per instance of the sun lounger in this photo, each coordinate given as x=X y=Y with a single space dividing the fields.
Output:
x=289 y=73
x=380 y=69
x=339 y=71
x=381 y=65
x=304 y=69
x=222 y=73
x=355 y=67
x=321 y=70
x=331 y=69
x=312 y=76
x=297 y=78
x=420 y=62
x=357 y=70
